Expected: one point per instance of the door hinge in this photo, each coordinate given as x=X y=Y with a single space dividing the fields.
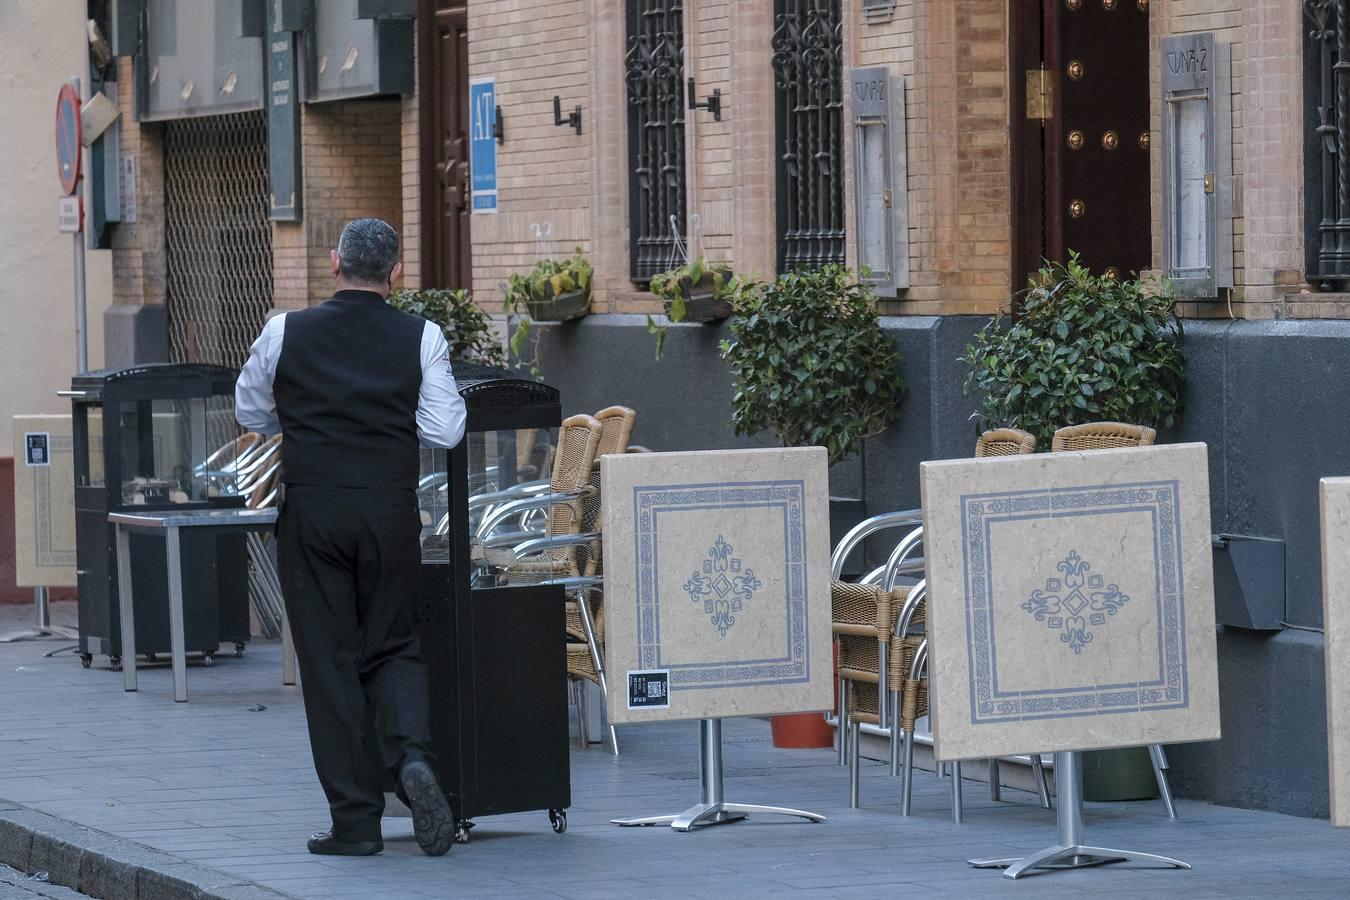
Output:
x=886 y=198
x=1040 y=94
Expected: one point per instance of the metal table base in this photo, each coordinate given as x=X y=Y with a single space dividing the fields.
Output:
x=171 y=523
x=1069 y=851
x=714 y=809
x=44 y=627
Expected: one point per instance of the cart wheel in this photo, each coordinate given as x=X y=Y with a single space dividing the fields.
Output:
x=86 y=659
x=115 y=662
x=462 y=829
x=558 y=817
x=208 y=660
x=238 y=649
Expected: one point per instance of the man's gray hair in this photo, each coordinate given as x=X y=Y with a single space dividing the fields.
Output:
x=367 y=251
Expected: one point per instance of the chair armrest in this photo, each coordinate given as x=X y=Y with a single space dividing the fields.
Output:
x=542 y=501
x=542 y=544
x=865 y=529
x=528 y=489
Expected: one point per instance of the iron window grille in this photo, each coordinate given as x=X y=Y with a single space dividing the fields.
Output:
x=1326 y=81
x=808 y=89
x=656 y=155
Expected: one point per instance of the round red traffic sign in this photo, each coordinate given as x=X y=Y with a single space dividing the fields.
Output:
x=69 y=138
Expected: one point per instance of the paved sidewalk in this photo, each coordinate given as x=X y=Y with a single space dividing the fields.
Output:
x=220 y=783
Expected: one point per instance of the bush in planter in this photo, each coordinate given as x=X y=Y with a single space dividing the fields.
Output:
x=468 y=330
x=555 y=290
x=1084 y=348
x=811 y=363
x=695 y=292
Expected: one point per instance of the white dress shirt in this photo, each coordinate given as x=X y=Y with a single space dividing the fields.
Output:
x=440 y=409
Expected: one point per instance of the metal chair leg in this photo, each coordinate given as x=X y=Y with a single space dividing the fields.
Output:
x=854 y=758
x=1038 y=772
x=579 y=692
x=1159 y=760
x=907 y=774
x=841 y=729
x=958 y=802
x=995 y=788
x=895 y=733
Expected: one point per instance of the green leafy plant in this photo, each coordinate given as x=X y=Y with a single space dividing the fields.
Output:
x=528 y=296
x=677 y=286
x=468 y=330
x=811 y=363
x=1084 y=348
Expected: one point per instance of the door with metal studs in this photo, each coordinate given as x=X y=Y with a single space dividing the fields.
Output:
x=1084 y=142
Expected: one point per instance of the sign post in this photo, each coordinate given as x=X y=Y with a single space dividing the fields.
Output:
x=70 y=208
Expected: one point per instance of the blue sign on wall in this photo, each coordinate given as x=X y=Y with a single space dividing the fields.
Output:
x=483 y=144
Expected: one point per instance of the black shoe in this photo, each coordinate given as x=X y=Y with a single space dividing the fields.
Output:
x=433 y=821
x=324 y=844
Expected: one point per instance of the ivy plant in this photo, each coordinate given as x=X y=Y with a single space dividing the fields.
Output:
x=1083 y=348
x=468 y=330
x=525 y=292
x=811 y=363
x=677 y=285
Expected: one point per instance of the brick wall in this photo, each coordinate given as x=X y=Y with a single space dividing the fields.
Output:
x=352 y=168
x=138 y=248
x=535 y=51
x=1264 y=39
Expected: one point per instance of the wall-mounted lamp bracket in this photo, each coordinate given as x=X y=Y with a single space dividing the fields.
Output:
x=573 y=119
x=498 y=128
x=713 y=104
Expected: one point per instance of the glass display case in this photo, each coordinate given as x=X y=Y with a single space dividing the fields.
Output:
x=494 y=636
x=157 y=437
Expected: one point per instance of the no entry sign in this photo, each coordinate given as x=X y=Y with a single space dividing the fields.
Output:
x=69 y=140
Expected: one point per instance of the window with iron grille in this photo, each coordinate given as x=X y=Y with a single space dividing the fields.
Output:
x=808 y=88
x=218 y=241
x=656 y=180
x=1326 y=140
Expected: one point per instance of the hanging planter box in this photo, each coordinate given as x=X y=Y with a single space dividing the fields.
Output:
x=701 y=300
x=561 y=307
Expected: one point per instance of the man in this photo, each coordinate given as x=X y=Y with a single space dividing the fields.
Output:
x=354 y=385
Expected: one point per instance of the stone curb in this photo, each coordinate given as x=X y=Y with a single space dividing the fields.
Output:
x=111 y=868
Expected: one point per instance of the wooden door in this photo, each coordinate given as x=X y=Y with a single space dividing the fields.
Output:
x=444 y=79
x=1081 y=135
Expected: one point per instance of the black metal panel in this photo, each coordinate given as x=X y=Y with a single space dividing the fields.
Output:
x=656 y=162
x=1326 y=92
x=808 y=91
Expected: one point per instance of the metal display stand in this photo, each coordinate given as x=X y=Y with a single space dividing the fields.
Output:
x=44 y=627
x=713 y=809
x=1069 y=851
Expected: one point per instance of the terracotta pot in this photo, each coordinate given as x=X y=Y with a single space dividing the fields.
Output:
x=802 y=730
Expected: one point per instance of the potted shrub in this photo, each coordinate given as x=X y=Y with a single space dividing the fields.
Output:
x=555 y=290
x=812 y=365
x=1084 y=348
x=468 y=330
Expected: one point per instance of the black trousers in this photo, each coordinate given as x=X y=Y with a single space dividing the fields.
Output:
x=348 y=561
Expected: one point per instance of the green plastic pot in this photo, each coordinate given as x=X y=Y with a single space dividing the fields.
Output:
x=1114 y=775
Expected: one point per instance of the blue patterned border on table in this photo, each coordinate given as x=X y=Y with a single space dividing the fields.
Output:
x=652 y=503
x=979 y=512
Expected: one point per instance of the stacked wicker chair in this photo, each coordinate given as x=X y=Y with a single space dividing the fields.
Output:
x=1005 y=442
x=1102 y=436
x=526 y=556
x=586 y=608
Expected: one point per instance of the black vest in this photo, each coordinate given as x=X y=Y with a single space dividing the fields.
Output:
x=346 y=389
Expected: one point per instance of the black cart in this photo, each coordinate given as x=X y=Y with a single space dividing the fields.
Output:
x=144 y=438
x=494 y=646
